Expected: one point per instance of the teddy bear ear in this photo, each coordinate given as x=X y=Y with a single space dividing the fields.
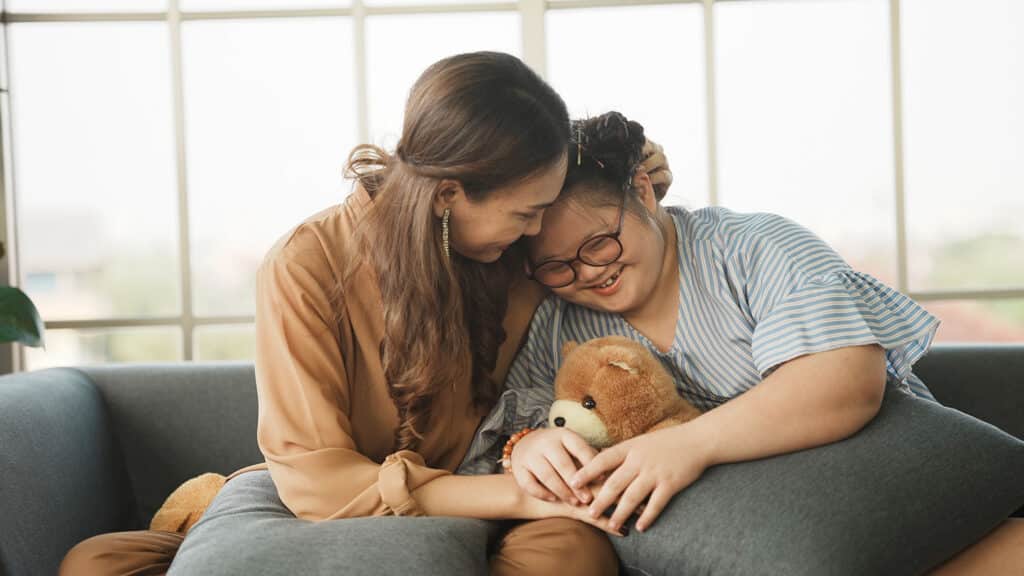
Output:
x=623 y=366
x=568 y=347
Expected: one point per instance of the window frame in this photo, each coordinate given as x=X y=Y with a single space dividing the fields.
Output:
x=534 y=52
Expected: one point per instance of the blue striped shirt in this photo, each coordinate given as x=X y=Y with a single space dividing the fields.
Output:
x=755 y=290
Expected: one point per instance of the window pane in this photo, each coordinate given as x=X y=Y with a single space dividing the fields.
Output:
x=805 y=120
x=100 y=346
x=94 y=169
x=36 y=6
x=226 y=5
x=270 y=113
x=979 y=320
x=391 y=72
x=963 y=117
x=225 y=342
x=661 y=86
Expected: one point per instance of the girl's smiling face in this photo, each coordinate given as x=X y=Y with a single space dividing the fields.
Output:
x=628 y=282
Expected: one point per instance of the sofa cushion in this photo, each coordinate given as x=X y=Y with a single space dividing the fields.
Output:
x=247 y=530
x=918 y=484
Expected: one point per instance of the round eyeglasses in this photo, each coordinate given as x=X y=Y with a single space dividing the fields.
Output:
x=600 y=250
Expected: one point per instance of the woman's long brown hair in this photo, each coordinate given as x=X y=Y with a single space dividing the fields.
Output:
x=486 y=120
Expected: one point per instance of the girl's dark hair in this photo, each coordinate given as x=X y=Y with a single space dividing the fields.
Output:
x=486 y=120
x=604 y=152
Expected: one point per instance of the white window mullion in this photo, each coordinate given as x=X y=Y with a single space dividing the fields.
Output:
x=709 y=84
x=359 y=39
x=531 y=13
x=185 y=248
x=897 y=132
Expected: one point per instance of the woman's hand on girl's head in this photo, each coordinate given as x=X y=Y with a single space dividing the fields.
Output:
x=545 y=460
x=653 y=466
x=655 y=164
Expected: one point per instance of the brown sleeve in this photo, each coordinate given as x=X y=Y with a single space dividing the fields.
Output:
x=304 y=429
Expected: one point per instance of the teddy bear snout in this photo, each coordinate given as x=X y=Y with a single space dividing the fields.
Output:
x=569 y=414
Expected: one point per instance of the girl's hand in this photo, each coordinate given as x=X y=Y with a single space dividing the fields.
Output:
x=656 y=465
x=543 y=463
x=655 y=164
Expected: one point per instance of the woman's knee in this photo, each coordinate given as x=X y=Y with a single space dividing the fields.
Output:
x=555 y=546
x=141 y=552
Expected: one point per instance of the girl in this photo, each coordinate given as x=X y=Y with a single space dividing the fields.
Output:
x=383 y=326
x=743 y=309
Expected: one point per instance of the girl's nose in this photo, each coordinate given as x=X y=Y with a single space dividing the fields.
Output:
x=587 y=274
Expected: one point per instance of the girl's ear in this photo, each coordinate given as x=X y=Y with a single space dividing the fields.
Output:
x=645 y=191
x=448 y=192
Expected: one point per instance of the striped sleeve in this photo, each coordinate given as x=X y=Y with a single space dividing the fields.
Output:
x=528 y=393
x=806 y=299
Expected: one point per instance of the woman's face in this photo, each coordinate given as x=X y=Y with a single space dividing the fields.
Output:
x=483 y=229
x=633 y=277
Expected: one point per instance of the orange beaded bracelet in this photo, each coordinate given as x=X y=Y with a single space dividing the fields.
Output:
x=506 y=452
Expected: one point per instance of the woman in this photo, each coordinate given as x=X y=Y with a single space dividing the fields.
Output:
x=384 y=327
x=761 y=324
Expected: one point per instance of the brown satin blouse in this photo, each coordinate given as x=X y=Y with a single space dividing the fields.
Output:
x=326 y=421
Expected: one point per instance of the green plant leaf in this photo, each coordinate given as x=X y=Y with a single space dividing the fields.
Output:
x=19 y=319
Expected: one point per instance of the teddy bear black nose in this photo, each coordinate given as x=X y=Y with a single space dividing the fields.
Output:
x=559 y=421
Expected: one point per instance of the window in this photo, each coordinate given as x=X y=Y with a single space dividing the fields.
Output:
x=159 y=147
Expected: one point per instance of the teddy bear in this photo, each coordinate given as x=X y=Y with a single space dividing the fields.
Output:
x=608 y=390
x=611 y=389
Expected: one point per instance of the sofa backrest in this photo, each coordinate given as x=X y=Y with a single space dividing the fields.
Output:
x=176 y=421
x=985 y=381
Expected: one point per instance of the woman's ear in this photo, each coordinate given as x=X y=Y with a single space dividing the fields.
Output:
x=447 y=194
x=645 y=191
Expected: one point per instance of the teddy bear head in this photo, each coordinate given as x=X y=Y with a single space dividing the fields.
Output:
x=610 y=389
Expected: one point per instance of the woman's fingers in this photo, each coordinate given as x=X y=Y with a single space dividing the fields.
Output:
x=584 y=453
x=601 y=523
x=655 y=165
x=578 y=447
x=527 y=482
x=658 y=500
x=566 y=469
x=552 y=480
x=603 y=462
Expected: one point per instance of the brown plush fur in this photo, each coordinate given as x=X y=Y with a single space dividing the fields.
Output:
x=631 y=391
x=186 y=504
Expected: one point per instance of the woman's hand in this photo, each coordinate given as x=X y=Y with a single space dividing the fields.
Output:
x=544 y=461
x=653 y=466
x=535 y=509
x=655 y=164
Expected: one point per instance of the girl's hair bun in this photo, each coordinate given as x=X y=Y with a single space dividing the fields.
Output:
x=610 y=141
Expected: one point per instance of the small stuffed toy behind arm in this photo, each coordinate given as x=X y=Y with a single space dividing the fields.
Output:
x=185 y=506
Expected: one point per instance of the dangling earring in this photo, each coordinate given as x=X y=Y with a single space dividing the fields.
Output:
x=444 y=232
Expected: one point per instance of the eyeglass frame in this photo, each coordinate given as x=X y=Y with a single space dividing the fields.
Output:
x=530 y=272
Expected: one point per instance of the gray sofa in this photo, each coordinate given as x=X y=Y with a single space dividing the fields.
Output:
x=91 y=450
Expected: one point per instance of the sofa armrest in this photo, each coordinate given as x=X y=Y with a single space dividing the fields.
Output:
x=61 y=475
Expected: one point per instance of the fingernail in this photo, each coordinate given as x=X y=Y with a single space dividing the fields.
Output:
x=593 y=513
x=585 y=498
x=575 y=483
x=640 y=527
